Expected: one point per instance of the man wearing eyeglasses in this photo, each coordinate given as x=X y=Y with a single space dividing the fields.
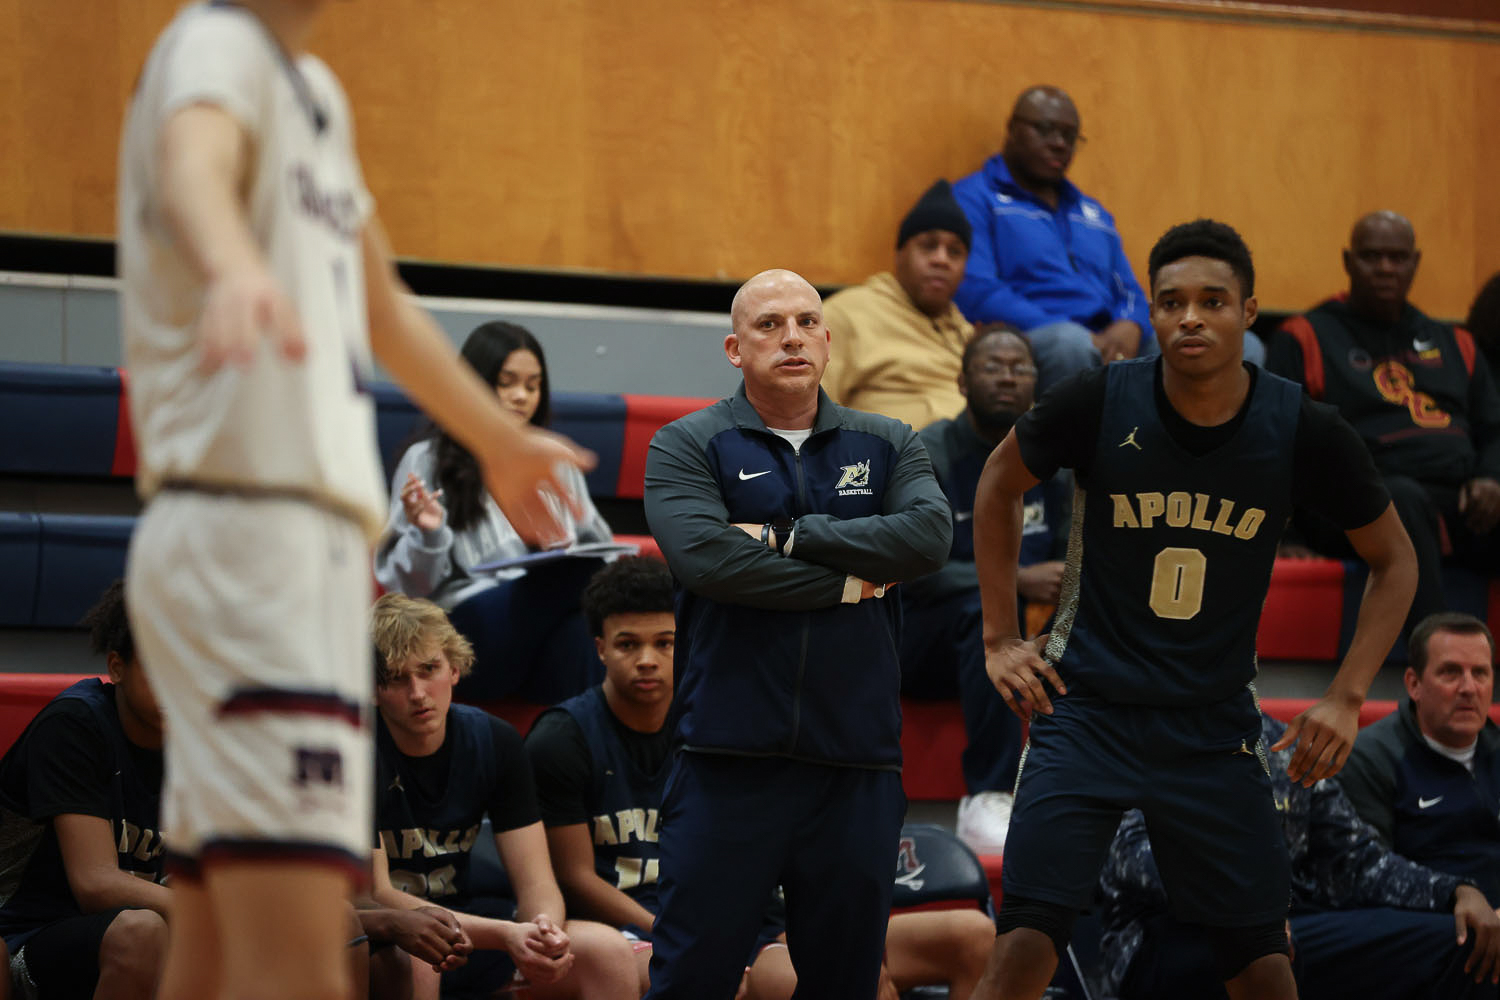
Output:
x=942 y=655
x=1419 y=393
x=1046 y=258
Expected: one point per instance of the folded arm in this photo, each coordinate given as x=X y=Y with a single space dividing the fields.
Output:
x=908 y=539
x=707 y=553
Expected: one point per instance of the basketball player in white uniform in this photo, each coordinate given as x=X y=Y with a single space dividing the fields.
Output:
x=256 y=281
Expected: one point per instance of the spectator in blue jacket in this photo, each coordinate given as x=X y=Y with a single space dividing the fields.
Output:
x=1045 y=257
x=1365 y=922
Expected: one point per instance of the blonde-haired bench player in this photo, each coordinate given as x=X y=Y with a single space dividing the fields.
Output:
x=255 y=283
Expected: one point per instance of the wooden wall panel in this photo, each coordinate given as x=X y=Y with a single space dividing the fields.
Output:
x=712 y=138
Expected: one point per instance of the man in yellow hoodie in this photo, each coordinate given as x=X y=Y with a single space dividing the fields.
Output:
x=898 y=339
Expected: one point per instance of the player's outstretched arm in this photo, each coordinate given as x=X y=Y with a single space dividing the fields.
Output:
x=1325 y=733
x=203 y=156
x=518 y=461
x=1015 y=666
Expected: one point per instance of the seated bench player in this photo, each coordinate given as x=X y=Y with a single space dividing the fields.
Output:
x=440 y=768
x=601 y=761
x=80 y=841
x=84 y=910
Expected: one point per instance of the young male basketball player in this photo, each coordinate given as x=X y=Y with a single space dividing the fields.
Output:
x=1188 y=467
x=255 y=281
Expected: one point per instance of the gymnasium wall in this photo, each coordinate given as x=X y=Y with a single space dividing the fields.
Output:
x=712 y=138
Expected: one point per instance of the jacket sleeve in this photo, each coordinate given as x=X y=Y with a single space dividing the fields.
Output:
x=1484 y=418
x=409 y=560
x=709 y=555
x=908 y=539
x=1370 y=783
x=1350 y=868
x=983 y=297
x=1133 y=892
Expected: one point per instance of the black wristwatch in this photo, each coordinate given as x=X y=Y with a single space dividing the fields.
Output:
x=783 y=526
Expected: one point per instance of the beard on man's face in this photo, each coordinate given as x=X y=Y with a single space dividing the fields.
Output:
x=998 y=420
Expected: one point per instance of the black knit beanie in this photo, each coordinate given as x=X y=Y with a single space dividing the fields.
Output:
x=937 y=209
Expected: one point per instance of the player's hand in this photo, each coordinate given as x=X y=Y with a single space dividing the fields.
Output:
x=524 y=475
x=1041 y=583
x=421 y=507
x=744 y=987
x=239 y=311
x=1019 y=673
x=555 y=937
x=886 y=989
x=528 y=947
x=1324 y=735
x=1472 y=916
x=1479 y=503
x=432 y=934
x=1120 y=340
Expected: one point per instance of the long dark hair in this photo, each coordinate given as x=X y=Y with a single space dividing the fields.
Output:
x=486 y=351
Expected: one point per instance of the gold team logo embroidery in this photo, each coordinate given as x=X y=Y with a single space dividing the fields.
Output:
x=1130 y=439
x=855 y=480
x=1397 y=385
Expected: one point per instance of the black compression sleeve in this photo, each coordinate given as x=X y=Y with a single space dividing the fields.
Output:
x=1060 y=430
x=1332 y=471
x=514 y=803
x=69 y=764
x=563 y=767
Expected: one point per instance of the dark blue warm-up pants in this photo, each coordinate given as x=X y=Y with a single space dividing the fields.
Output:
x=732 y=829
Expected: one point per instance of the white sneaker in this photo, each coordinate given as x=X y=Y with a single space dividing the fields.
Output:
x=983 y=820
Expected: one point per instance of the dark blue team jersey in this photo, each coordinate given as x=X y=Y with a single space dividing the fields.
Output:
x=428 y=824
x=78 y=732
x=624 y=803
x=1170 y=568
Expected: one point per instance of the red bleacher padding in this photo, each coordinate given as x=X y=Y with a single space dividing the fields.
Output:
x=1303 y=611
x=644 y=416
x=646 y=542
x=124 y=461
x=23 y=695
x=1286 y=709
x=932 y=746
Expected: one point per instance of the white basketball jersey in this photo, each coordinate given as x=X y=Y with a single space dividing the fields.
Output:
x=305 y=427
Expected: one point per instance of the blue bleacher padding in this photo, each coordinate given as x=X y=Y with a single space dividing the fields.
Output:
x=596 y=421
x=396 y=419
x=58 y=419
x=20 y=554
x=80 y=556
